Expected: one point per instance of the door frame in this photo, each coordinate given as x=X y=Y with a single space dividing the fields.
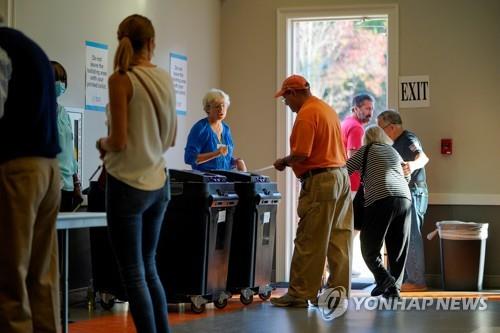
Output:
x=285 y=229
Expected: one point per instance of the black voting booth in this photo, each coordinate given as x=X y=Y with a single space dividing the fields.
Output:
x=193 y=251
x=253 y=235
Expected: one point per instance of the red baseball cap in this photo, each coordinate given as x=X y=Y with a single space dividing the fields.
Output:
x=292 y=82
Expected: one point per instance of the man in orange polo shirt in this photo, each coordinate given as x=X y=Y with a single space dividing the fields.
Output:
x=317 y=158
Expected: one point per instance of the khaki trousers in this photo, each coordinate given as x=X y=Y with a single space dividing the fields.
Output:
x=324 y=230
x=29 y=282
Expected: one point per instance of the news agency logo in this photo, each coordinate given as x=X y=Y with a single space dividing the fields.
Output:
x=420 y=304
x=333 y=303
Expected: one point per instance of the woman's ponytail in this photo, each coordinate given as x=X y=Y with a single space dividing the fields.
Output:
x=123 y=55
x=134 y=32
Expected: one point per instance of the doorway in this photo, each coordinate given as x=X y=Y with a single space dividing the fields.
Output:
x=341 y=51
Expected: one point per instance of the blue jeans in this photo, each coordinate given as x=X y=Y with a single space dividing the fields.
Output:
x=134 y=219
x=415 y=262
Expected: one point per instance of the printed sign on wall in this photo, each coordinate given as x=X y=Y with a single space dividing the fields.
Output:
x=414 y=91
x=178 y=71
x=96 y=76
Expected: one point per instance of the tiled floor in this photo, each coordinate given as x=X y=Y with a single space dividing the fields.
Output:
x=363 y=315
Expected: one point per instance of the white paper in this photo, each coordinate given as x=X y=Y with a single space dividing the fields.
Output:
x=263 y=169
x=96 y=76
x=222 y=216
x=178 y=71
x=266 y=217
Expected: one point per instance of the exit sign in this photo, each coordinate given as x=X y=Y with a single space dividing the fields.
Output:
x=414 y=91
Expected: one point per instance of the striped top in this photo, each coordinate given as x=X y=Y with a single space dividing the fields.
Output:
x=383 y=173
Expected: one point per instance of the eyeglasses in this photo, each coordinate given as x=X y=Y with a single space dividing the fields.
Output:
x=386 y=125
x=217 y=106
x=285 y=94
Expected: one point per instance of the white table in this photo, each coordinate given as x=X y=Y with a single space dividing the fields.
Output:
x=65 y=222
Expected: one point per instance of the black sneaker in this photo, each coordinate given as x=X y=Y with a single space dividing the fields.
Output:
x=391 y=292
x=381 y=288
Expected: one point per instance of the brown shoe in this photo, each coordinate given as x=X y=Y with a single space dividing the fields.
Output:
x=412 y=287
x=289 y=301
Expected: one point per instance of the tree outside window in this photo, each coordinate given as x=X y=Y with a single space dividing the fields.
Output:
x=341 y=58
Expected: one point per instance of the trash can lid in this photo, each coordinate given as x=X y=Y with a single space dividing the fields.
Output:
x=458 y=230
x=459 y=225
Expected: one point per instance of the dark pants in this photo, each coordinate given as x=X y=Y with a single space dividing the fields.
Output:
x=387 y=219
x=67 y=204
x=134 y=222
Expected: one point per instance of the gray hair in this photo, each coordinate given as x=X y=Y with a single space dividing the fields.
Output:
x=375 y=134
x=212 y=95
x=390 y=117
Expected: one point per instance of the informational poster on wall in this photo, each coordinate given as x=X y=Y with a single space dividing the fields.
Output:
x=96 y=76
x=76 y=117
x=414 y=91
x=178 y=71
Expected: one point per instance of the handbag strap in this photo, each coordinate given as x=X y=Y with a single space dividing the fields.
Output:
x=141 y=80
x=365 y=157
x=95 y=172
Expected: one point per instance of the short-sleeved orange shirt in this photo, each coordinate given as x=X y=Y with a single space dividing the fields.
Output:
x=316 y=134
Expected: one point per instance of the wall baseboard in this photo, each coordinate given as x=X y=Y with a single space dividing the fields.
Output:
x=467 y=199
x=489 y=281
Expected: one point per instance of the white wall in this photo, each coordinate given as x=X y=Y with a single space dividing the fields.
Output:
x=189 y=27
x=455 y=42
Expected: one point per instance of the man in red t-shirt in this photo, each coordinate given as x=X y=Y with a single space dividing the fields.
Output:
x=352 y=136
x=353 y=130
x=317 y=158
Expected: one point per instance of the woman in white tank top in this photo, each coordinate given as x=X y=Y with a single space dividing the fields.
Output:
x=142 y=126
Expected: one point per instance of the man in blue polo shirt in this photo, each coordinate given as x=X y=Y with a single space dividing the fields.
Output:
x=409 y=147
x=29 y=187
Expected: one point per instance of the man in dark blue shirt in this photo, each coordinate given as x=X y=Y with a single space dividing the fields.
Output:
x=409 y=147
x=29 y=188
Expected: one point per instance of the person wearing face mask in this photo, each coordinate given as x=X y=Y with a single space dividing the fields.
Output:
x=210 y=144
x=408 y=145
x=71 y=194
